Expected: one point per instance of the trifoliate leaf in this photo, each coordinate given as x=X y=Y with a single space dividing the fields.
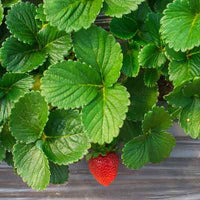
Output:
x=151 y=76
x=1 y=12
x=56 y=43
x=6 y=138
x=9 y=3
x=28 y=117
x=65 y=139
x=130 y=130
x=131 y=65
x=180 y=25
x=104 y=116
x=100 y=50
x=21 y=22
x=185 y=70
x=14 y=86
x=142 y=97
x=154 y=145
x=70 y=84
x=72 y=15
x=40 y=14
x=151 y=56
x=19 y=57
x=32 y=165
x=152 y=24
x=189 y=118
x=120 y=7
x=156 y=120
x=2 y=152
x=124 y=28
x=59 y=173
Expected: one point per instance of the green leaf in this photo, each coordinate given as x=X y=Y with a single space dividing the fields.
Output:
x=8 y=141
x=130 y=130
x=65 y=139
x=142 y=97
x=59 y=173
x=1 y=13
x=70 y=84
x=118 y=8
x=19 y=57
x=131 y=65
x=40 y=14
x=174 y=112
x=151 y=76
x=160 y=6
x=72 y=15
x=9 y=159
x=191 y=89
x=98 y=48
x=180 y=25
x=158 y=119
x=21 y=22
x=14 y=86
x=185 y=70
x=104 y=116
x=27 y=121
x=174 y=55
x=152 y=24
x=2 y=152
x=56 y=43
x=121 y=28
x=9 y=3
x=32 y=165
x=154 y=145
x=151 y=57
x=189 y=118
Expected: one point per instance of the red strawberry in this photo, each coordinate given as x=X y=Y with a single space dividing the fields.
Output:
x=104 y=168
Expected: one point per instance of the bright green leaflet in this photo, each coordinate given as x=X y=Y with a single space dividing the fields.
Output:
x=32 y=165
x=154 y=145
x=65 y=140
x=13 y=86
x=27 y=121
x=104 y=116
x=22 y=23
x=70 y=84
x=59 y=173
x=56 y=43
x=98 y=48
x=124 y=28
x=180 y=25
x=6 y=138
x=117 y=8
x=72 y=15
x=19 y=57
x=1 y=13
x=142 y=97
x=151 y=56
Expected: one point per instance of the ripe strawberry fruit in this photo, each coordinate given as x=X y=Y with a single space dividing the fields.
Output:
x=104 y=168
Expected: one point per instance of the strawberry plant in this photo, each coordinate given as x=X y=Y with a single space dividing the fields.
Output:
x=70 y=89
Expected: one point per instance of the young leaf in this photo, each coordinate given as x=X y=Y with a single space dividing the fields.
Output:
x=65 y=140
x=56 y=43
x=124 y=28
x=21 y=22
x=118 y=8
x=99 y=49
x=142 y=97
x=32 y=165
x=180 y=25
x=151 y=56
x=104 y=116
x=72 y=15
x=154 y=145
x=19 y=57
x=13 y=86
x=59 y=173
x=70 y=84
x=27 y=121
